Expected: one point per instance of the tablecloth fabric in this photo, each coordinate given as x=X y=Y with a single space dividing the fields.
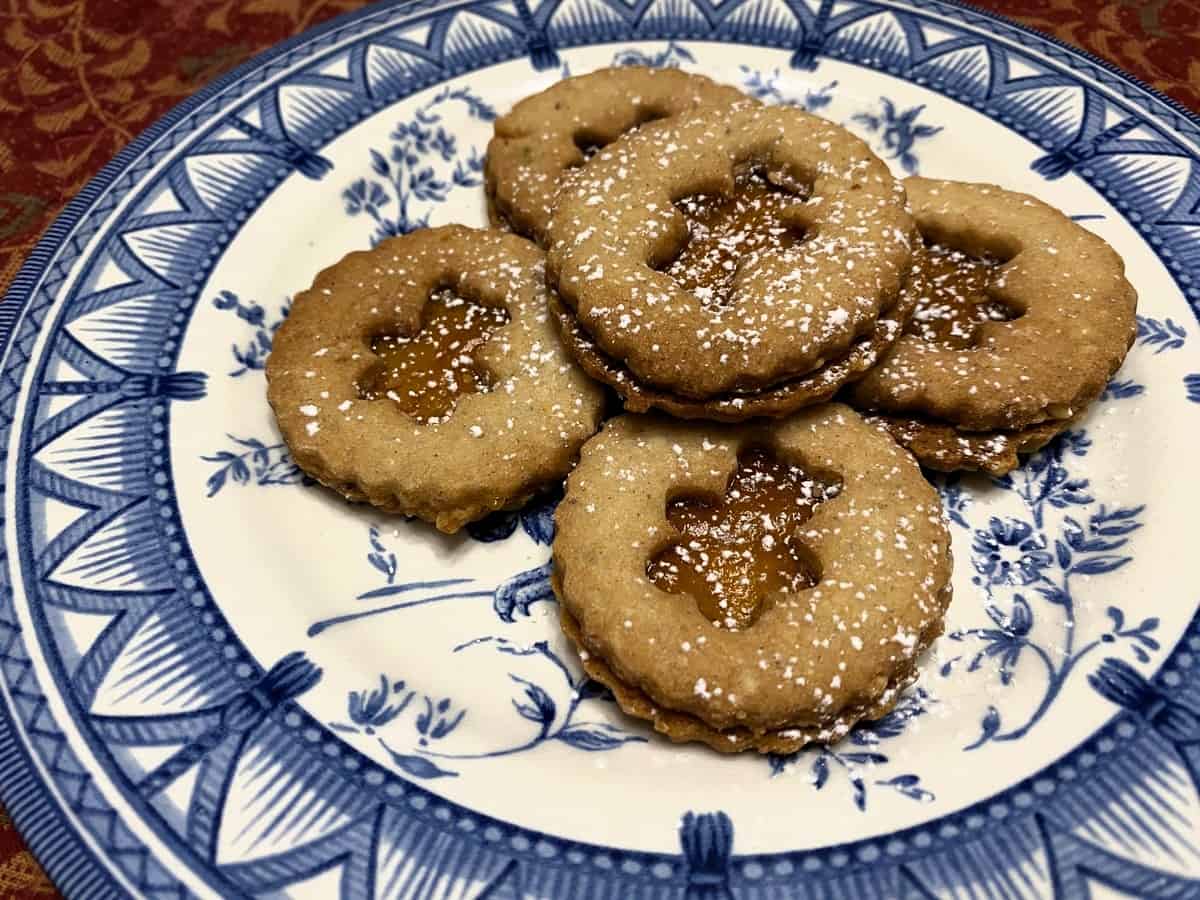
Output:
x=79 y=79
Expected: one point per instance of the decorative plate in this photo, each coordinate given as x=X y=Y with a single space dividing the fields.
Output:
x=220 y=680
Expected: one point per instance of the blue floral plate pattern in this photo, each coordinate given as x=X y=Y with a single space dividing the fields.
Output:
x=220 y=680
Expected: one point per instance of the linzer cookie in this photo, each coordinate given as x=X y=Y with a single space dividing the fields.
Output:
x=776 y=272
x=1022 y=317
x=546 y=135
x=755 y=586
x=424 y=377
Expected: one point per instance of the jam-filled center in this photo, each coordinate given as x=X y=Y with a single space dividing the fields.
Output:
x=735 y=550
x=727 y=232
x=425 y=373
x=953 y=297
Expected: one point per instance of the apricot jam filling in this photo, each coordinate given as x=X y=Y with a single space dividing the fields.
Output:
x=953 y=297
x=726 y=232
x=734 y=551
x=427 y=372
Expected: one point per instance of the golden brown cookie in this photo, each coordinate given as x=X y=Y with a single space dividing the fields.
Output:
x=944 y=448
x=425 y=377
x=1023 y=316
x=780 y=400
x=550 y=133
x=755 y=586
x=771 y=310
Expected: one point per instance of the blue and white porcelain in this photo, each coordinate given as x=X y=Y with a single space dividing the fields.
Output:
x=221 y=680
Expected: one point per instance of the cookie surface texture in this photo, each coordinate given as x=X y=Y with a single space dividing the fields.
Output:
x=512 y=409
x=811 y=662
x=548 y=134
x=620 y=222
x=1065 y=323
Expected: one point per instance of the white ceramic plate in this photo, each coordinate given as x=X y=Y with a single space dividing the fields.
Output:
x=219 y=680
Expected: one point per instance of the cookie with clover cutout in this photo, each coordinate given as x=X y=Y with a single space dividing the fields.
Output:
x=548 y=135
x=424 y=377
x=755 y=586
x=731 y=263
x=1022 y=317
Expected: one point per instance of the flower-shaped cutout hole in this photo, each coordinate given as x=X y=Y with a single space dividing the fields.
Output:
x=591 y=141
x=734 y=551
x=426 y=372
x=954 y=296
x=728 y=231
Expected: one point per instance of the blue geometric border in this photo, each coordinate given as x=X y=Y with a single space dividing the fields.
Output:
x=894 y=866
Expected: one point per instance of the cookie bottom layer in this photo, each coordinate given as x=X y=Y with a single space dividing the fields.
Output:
x=944 y=448
x=774 y=402
x=683 y=728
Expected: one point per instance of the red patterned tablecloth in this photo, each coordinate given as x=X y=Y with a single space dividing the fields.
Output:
x=79 y=79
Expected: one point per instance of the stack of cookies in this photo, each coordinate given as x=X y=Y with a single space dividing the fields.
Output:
x=741 y=561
